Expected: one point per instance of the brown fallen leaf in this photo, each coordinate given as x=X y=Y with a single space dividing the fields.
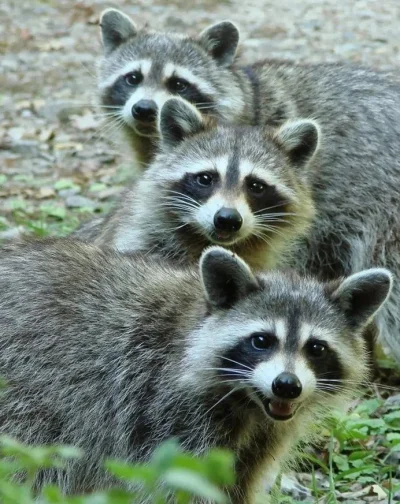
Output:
x=45 y=192
x=68 y=145
x=46 y=134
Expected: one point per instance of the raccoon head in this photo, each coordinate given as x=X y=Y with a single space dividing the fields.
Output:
x=291 y=344
x=240 y=187
x=142 y=69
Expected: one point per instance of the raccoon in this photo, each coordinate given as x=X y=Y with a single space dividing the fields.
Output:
x=142 y=69
x=239 y=187
x=116 y=353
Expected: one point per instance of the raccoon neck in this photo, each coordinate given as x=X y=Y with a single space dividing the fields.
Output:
x=268 y=102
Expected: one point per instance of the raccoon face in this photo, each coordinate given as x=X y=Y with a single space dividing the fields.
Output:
x=232 y=185
x=291 y=344
x=141 y=70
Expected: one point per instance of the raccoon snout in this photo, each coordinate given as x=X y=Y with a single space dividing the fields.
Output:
x=228 y=219
x=287 y=386
x=145 y=111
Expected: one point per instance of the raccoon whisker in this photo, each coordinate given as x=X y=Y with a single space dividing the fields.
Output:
x=88 y=71
x=272 y=229
x=235 y=362
x=176 y=206
x=271 y=207
x=272 y=216
x=231 y=370
x=222 y=399
x=260 y=229
x=272 y=221
x=367 y=383
x=183 y=196
x=262 y=237
x=110 y=127
x=179 y=201
x=114 y=107
x=176 y=228
x=108 y=114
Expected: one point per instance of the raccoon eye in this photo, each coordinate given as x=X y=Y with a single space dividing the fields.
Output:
x=204 y=179
x=133 y=78
x=263 y=341
x=316 y=349
x=178 y=85
x=256 y=187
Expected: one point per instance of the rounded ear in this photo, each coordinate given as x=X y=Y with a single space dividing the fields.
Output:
x=299 y=139
x=116 y=28
x=361 y=295
x=221 y=41
x=226 y=278
x=177 y=120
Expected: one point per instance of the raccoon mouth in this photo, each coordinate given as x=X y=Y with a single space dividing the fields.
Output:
x=279 y=410
x=145 y=129
x=223 y=237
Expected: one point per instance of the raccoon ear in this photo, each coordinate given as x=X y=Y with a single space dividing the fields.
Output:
x=299 y=139
x=116 y=28
x=361 y=295
x=221 y=41
x=226 y=278
x=178 y=119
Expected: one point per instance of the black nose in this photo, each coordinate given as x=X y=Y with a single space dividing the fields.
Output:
x=145 y=110
x=286 y=386
x=228 y=219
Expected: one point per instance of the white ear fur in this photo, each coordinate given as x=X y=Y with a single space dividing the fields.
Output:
x=116 y=28
x=226 y=277
x=221 y=40
x=177 y=120
x=299 y=139
x=362 y=295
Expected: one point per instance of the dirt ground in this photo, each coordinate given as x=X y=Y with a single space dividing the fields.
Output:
x=58 y=163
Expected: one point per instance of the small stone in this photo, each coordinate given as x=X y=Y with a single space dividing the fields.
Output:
x=80 y=202
x=26 y=147
x=393 y=400
x=67 y=193
x=11 y=234
x=108 y=193
x=16 y=133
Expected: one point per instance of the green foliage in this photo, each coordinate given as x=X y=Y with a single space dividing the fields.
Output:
x=170 y=472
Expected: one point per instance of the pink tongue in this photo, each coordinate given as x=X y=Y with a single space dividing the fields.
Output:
x=280 y=408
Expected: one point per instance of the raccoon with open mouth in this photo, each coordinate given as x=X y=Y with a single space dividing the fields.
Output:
x=114 y=353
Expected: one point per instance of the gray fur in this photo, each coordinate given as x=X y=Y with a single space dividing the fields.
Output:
x=115 y=354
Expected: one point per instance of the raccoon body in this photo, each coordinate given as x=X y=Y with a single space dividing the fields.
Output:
x=116 y=353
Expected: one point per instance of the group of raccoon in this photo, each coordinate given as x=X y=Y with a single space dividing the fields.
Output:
x=169 y=317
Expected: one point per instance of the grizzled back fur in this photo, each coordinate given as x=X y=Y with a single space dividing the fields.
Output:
x=117 y=353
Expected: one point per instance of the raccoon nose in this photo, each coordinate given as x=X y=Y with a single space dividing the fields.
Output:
x=228 y=219
x=145 y=110
x=286 y=386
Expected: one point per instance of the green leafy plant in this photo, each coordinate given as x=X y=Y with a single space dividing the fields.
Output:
x=170 y=472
